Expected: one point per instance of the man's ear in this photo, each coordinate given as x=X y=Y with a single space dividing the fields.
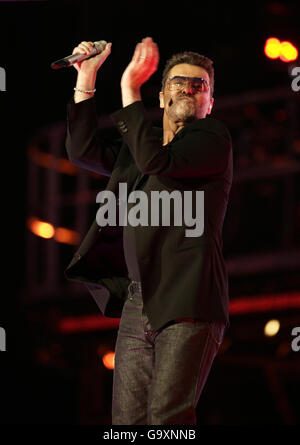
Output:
x=210 y=105
x=161 y=100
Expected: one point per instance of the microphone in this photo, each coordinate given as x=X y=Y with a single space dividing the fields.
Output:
x=74 y=58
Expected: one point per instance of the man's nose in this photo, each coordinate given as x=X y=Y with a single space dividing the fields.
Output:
x=188 y=88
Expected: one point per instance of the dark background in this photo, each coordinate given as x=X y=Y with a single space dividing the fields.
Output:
x=49 y=377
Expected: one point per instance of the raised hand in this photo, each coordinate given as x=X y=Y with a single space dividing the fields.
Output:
x=141 y=67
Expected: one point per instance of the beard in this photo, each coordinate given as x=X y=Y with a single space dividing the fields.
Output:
x=183 y=109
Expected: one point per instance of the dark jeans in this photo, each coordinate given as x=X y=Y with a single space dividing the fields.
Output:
x=160 y=374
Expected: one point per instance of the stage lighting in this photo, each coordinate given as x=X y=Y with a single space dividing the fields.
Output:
x=272 y=48
x=108 y=360
x=288 y=52
x=285 y=51
x=46 y=230
x=41 y=228
x=271 y=328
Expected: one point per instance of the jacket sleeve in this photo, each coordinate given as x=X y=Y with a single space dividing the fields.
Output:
x=84 y=145
x=200 y=149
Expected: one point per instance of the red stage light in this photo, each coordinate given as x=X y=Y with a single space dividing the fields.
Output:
x=108 y=360
x=66 y=236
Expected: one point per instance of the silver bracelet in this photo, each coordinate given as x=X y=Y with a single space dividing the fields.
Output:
x=85 y=91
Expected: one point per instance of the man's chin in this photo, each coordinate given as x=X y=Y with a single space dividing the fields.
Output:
x=183 y=111
x=185 y=115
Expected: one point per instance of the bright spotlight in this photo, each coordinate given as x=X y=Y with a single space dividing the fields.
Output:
x=271 y=328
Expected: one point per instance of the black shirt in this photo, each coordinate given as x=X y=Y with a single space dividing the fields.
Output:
x=129 y=244
x=129 y=239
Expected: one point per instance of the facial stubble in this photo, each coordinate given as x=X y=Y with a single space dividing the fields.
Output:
x=182 y=110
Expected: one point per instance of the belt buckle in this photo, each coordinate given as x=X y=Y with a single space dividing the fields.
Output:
x=134 y=286
x=130 y=288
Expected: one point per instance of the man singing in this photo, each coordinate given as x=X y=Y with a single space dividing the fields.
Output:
x=170 y=290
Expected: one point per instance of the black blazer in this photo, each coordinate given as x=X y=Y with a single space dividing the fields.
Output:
x=180 y=276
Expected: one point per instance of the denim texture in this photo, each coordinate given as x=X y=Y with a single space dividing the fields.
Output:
x=159 y=374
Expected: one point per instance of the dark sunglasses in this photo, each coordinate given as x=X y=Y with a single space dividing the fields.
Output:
x=177 y=83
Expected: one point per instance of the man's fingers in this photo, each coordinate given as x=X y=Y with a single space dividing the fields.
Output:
x=146 y=54
x=156 y=52
x=137 y=53
x=84 y=48
x=106 y=51
x=150 y=55
x=108 y=47
x=142 y=65
x=78 y=50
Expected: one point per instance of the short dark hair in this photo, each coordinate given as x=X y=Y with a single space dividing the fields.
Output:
x=191 y=58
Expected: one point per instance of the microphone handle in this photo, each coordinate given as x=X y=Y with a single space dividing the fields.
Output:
x=74 y=58
x=69 y=60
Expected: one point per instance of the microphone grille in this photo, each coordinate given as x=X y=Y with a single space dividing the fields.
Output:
x=100 y=45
